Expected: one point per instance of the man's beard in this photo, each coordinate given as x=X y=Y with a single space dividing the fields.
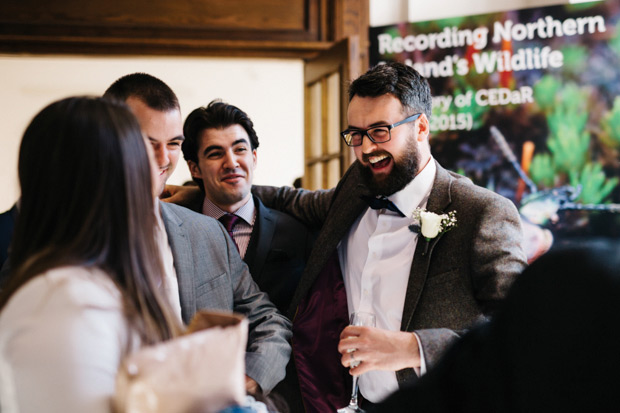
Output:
x=403 y=172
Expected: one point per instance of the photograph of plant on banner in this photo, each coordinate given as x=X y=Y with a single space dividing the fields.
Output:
x=527 y=104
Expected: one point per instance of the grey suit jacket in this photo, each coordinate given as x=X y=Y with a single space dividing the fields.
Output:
x=454 y=281
x=212 y=275
x=277 y=253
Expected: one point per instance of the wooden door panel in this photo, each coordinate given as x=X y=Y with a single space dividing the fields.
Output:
x=326 y=78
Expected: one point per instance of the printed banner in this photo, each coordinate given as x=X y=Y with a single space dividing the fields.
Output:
x=526 y=103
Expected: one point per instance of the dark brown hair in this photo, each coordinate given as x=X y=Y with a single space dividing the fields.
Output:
x=399 y=80
x=147 y=88
x=87 y=200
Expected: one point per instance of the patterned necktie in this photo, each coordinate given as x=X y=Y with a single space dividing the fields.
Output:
x=229 y=221
x=381 y=202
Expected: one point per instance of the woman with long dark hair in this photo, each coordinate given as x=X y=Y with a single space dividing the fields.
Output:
x=83 y=290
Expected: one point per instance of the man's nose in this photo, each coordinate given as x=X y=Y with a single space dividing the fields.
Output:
x=368 y=145
x=162 y=155
x=230 y=160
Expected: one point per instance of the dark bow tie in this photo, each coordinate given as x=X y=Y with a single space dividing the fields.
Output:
x=381 y=202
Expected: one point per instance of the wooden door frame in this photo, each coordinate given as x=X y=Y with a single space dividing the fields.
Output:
x=164 y=28
x=342 y=60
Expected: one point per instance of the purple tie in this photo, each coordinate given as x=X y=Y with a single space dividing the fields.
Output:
x=229 y=221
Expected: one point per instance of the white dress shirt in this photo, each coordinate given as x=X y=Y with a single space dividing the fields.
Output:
x=62 y=338
x=376 y=259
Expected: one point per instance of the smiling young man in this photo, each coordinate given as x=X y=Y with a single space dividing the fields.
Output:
x=370 y=258
x=157 y=109
x=164 y=131
x=204 y=270
x=220 y=149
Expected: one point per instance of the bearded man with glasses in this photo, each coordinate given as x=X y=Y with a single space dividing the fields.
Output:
x=425 y=288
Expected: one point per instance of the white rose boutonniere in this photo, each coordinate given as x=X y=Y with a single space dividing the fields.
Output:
x=430 y=225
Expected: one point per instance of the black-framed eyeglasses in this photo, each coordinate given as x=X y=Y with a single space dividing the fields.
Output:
x=377 y=134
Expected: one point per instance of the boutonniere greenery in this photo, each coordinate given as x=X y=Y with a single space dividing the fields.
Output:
x=430 y=225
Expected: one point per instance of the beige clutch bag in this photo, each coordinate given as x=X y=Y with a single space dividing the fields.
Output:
x=201 y=371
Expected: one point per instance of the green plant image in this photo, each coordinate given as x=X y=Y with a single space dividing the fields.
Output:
x=575 y=58
x=569 y=142
x=569 y=148
x=614 y=43
x=595 y=186
x=581 y=6
x=569 y=109
x=611 y=126
x=542 y=170
x=545 y=91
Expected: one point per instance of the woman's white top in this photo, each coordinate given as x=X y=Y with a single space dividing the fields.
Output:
x=62 y=338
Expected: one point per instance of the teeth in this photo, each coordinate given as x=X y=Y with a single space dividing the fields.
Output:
x=375 y=159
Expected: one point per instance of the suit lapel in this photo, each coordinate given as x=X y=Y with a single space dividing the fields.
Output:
x=180 y=246
x=260 y=242
x=344 y=211
x=438 y=201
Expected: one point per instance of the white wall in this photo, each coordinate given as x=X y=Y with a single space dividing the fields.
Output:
x=386 y=12
x=430 y=10
x=269 y=90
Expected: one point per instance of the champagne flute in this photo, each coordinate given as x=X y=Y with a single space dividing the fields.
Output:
x=358 y=318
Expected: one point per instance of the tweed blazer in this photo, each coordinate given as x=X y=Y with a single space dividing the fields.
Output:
x=212 y=275
x=455 y=280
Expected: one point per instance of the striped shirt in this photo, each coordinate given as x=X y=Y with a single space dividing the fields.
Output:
x=242 y=231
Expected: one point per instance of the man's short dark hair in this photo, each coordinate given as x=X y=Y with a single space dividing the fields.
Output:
x=216 y=115
x=399 y=80
x=149 y=89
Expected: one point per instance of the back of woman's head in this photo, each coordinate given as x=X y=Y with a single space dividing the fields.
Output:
x=78 y=159
x=87 y=198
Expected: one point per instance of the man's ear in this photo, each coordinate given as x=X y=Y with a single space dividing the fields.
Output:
x=424 y=128
x=194 y=169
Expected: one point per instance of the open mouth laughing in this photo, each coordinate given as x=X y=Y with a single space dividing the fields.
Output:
x=378 y=161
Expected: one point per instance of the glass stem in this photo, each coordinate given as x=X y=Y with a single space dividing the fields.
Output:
x=353 y=402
